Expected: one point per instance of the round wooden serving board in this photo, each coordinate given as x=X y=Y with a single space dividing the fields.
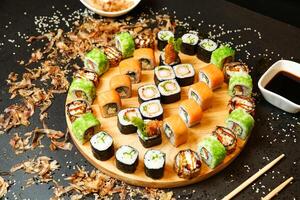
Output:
x=212 y=117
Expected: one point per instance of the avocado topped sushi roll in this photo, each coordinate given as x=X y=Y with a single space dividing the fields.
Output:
x=109 y=102
x=122 y=85
x=154 y=163
x=205 y=49
x=127 y=159
x=83 y=127
x=82 y=89
x=162 y=73
x=222 y=55
x=102 y=146
x=227 y=137
x=212 y=151
x=187 y=164
x=97 y=61
x=146 y=57
x=240 y=122
x=125 y=117
x=243 y=102
x=163 y=37
x=87 y=74
x=148 y=92
x=170 y=91
x=175 y=130
x=114 y=56
x=240 y=85
x=189 y=43
x=125 y=44
x=185 y=74
x=77 y=108
x=234 y=68
x=152 y=110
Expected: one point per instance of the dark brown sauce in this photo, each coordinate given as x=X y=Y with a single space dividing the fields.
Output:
x=286 y=85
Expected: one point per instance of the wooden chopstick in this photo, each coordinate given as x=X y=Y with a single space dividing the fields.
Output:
x=252 y=178
x=277 y=189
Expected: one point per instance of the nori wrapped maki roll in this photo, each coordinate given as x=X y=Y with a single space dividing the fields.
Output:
x=82 y=89
x=87 y=74
x=240 y=85
x=170 y=55
x=154 y=163
x=127 y=159
x=124 y=120
x=152 y=110
x=125 y=44
x=148 y=92
x=222 y=55
x=102 y=146
x=83 y=127
x=163 y=73
x=96 y=61
x=185 y=74
x=227 y=137
x=163 y=38
x=170 y=91
x=240 y=122
x=234 y=69
x=246 y=103
x=189 y=43
x=205 y=49
x=212 y=151
x=77 y=108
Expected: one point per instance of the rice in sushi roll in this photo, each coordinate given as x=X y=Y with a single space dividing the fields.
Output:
x=146 y=57
x=240 y=85
x=148 y=92
x=124 y=120
x=222 y=55
x=202 y=94
x=82 y=89
x=109 y=102
x=205 y=49
x=163 y=37
x=132 y=68
x=240 y=122
x=77 y=108
x=175 y=130
x=87 y=74
x=151 y=110
x=187 y=164
x=102 y=146
x=212 y=76
x=227 y=137
x=163 y=73
x=190 y=112
x=170 y=91
x=127 y=159
x=185 y=74
x=233 y=69
x=189 y=43
x=243 y=102
x=114 y=56
x=154 y=163
x=96 y=61
x=212 y=151
x=125 y=44
x=122 y=85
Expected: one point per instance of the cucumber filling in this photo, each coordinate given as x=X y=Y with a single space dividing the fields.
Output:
x=204 y=78
x=195 y=96
x=146 y=64
x=111 y=108
x=184 y=115
x=122 y=91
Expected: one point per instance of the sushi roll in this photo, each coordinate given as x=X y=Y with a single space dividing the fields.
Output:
x=154 y=163
x=96 y=61
x=102 y=146
x=189 y=43
x=146 y=57
x=124 y=120
x=187 y=164
x=77 y=108
x=202 y=94
x=114 y=56
x=148 y=92
x=175 y=130
x=212 y=151
x=190 y=112
x=240 y=85
x=212 y=76
x=82 y=89
x=240 y=122
x=227 y=137
x=245 y=103
x=144 y=41
x=148 y=131
x=234 y=68
x=162 y=73
x=163 y=37
x=222 y=55
x=122 y=85
x=109 y=103
x=127 y=159
x=125 y=44
x=87 y=74
x=205 y=49
x=170 y=91
x=132 y=68
x=83 y=127
x=152 y=110
x=185 y=74
x=170 y=54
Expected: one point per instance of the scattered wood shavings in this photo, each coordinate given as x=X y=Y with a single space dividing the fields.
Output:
x=3 y=187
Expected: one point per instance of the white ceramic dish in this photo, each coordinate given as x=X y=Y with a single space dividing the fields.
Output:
x=273 y=98
x=90 y=6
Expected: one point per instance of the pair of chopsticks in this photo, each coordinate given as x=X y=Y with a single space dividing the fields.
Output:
x=255 y=176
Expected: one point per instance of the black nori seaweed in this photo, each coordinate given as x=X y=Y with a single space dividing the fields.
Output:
x=170 y=98
x=162 y=62
x=126 y=129
x=105 y=154
x=203 y=54
x=154 y=173
x=158 y=117
x=141 y=100
x=185 y=81
x=151 y=141
x=127 y=168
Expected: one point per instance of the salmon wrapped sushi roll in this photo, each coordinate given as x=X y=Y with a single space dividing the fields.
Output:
x=190 y=112
x=212 y=76
x=77 y=108
x=82 y=89
x=109 y=103
x=132 y=68
x=121 y=84
x=202 y=94
x=175 y=130
x=146 y=57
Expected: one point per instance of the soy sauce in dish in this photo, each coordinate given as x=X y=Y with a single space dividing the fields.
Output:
x=286 y=85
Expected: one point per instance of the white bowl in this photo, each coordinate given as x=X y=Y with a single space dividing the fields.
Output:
x=90 y=6
x=273 y=98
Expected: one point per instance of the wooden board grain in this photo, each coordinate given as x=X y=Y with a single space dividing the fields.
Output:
x=212 y=117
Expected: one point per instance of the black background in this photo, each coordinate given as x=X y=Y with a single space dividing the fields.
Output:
x=281 y=39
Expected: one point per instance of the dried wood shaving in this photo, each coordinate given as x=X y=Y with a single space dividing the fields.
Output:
x=3 y=187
